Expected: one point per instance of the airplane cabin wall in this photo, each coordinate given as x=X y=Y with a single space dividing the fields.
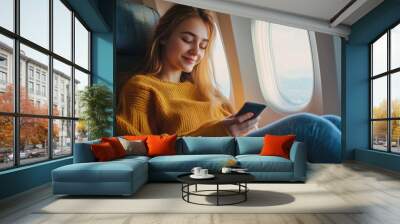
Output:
x=326 y=87
x=328 y=69
x=237 y=93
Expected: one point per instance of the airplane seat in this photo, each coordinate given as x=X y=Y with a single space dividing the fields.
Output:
x=135 y=23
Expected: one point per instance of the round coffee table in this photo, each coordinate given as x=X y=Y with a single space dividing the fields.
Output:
x=238 y=179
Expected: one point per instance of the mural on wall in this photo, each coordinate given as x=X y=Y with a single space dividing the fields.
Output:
x=177 y=75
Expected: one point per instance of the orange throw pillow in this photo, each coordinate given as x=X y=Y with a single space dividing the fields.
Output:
x=103 y=151
x=277 y=145
x=116 y=145
x=159 y=145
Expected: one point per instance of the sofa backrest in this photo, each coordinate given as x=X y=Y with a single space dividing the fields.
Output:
x=206 y=145
x=190 y=146
x=83 y=153
x=249 y=145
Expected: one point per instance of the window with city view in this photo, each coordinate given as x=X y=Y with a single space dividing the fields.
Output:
x=44 y=64
x=385 y=82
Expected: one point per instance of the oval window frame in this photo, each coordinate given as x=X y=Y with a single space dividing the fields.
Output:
x=261 y=37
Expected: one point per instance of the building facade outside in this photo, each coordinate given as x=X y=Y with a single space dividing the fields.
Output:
x=34 y=100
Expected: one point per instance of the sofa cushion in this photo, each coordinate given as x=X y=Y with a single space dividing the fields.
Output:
x=277 y=145
x=115 y=170
x=207 y=145
x=185 y=163
x=134 y=157
x=249 y=145
x=257 y=163
x=111 y=171
x=118 y=177
x=116 y=145
x=159 y=145
x=134 y=147
x=103 y=151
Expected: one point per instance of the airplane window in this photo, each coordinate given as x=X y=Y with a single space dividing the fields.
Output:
x=285 y=68
x=222 y=79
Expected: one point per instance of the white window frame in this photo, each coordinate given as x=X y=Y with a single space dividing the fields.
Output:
x=264 y=63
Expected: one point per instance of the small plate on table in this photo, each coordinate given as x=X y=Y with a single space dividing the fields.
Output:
x=208 y=176
x=240 y=171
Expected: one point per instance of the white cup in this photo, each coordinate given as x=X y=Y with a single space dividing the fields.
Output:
x=203 y=172
x=226 y=170
x=196 y=170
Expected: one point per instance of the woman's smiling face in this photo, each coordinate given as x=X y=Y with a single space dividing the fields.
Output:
x=187 y=45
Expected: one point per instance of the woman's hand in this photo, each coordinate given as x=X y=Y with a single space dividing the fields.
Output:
x=241 y=125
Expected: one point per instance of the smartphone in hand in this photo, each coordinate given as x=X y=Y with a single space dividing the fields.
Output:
x=255 y=108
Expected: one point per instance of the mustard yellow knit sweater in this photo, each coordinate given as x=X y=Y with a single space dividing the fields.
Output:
x=149 y=105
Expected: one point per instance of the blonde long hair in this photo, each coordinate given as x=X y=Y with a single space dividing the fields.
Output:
x=201 y=75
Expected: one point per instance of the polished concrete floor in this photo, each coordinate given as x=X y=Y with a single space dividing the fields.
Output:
x=377 y=188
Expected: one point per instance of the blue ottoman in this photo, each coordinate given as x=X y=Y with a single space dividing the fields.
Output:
x=118 y=177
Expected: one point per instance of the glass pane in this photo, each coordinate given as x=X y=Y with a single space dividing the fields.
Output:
x=379 y=98
x=292 y=62
x=62 y=29
x=395 y=47
x=33 y=139
x=62 y=89
x=81 y=131
x=6 y=142
x=395 y=136
x=379 y=135
x=81 y=45
x=81 y=81
x=379 y=55
x=6 y=74
x=35 y=21
x=7 y=14
x=34 y=72
x=220 y=66
x=395 y=94
x=62 y=138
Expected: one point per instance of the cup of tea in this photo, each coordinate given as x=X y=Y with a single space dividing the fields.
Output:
x=203 y=172
x=196 y=170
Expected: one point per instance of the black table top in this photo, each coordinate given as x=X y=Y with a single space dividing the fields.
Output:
x=220 y=178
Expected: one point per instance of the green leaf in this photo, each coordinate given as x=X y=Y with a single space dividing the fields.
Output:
x=96 y=104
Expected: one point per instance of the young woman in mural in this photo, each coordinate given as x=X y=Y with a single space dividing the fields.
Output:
x=174 y=93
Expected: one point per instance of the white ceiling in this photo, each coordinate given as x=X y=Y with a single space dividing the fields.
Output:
x=313 y=15
x=320 y=9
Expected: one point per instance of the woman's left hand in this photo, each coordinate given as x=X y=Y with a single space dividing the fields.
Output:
x=241 y=125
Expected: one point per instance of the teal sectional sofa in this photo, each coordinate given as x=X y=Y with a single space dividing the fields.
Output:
x=125 y=176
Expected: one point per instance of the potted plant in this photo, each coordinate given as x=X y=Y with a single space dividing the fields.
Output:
x=96 y=104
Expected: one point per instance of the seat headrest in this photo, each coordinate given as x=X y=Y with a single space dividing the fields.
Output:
x=135 y=23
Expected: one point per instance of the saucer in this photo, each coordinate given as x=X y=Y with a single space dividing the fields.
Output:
x=240 y=171
x=208 y=176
